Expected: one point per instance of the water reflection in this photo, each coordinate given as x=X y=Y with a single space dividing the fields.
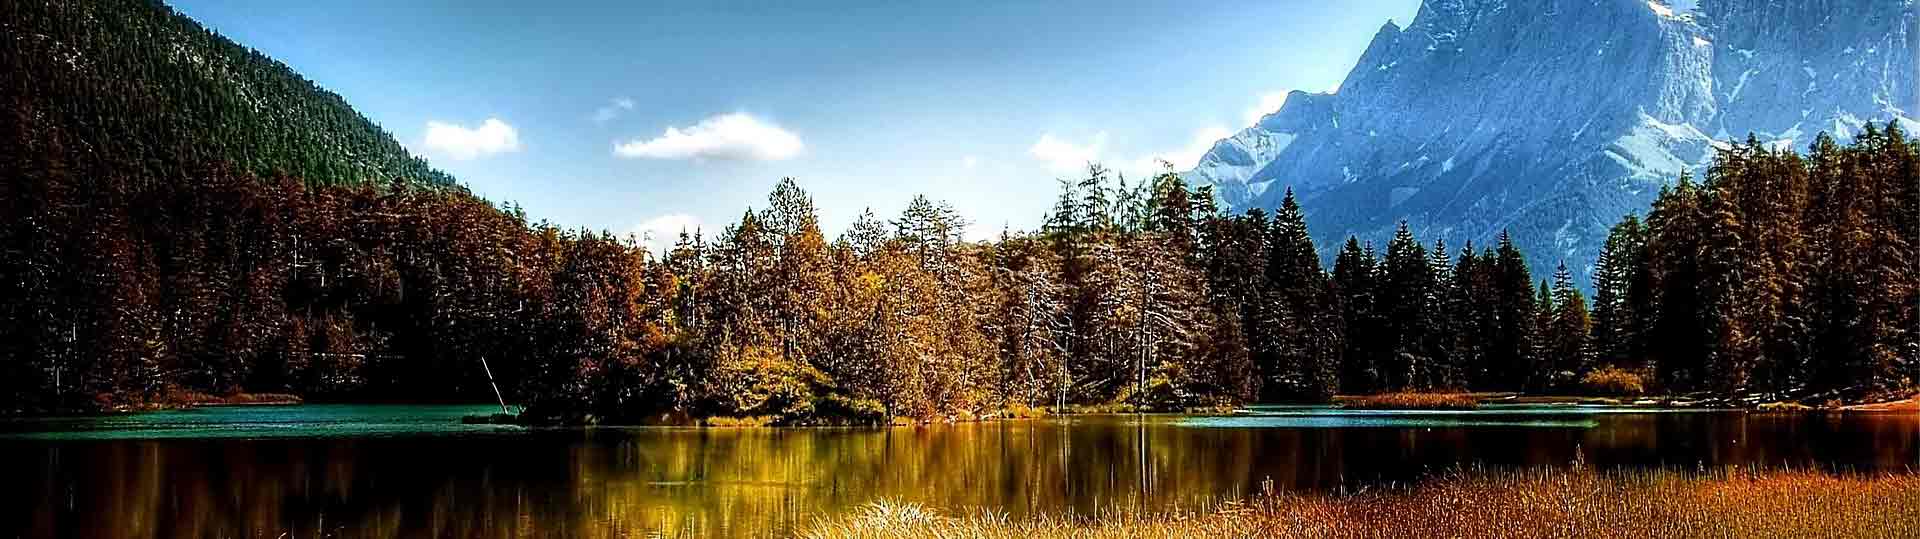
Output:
x=694 y=482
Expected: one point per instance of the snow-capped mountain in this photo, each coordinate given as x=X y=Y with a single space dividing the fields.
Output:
x=1553 y=118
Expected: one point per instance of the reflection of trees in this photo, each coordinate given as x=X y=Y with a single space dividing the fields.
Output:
x=695 y=482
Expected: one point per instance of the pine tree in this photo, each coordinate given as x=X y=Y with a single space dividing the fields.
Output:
x=1614 y=315
x=1293 y=305
x=1510 y=355
x=1472 y=315
x=1443 y=323
x=1571 y=331
x=1064 y=218
x=1353 y=276
x=1403 y=297
x=1544 y=366
x=1675 y=342
x=1095 y=204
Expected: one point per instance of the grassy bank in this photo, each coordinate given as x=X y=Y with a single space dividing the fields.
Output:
x=1411 y=401
x=1517 y=504
x=1910 y=404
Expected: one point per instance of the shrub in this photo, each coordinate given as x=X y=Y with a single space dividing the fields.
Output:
x=1613 y=381
x=837 y=408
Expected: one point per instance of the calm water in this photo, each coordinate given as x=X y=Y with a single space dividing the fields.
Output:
x=345 y=470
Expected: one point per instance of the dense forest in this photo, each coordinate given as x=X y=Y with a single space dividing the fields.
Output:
x=1781 y=276
x=134 y=79
x=213 y=224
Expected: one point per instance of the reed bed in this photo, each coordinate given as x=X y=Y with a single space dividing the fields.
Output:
x=1412 y=401
x=1539 y=503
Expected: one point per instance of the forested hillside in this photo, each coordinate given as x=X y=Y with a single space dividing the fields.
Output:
x=132 y=80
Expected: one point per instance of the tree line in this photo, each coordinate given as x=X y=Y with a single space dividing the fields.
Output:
x=185 y=215
x=1779 y=275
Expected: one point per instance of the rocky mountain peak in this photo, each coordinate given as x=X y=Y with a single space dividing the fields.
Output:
x=1553 y=118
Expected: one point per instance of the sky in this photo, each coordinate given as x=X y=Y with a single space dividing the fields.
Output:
x=651 y=117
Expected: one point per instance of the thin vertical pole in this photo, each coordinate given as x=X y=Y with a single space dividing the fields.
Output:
x=496 y=387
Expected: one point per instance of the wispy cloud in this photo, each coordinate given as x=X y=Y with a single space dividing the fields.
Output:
x=1268 y=103
x=460 y=142
x=727 y=137
x=612 y=110
x=1183 y=158
x=1066 y=157
x=660 y=233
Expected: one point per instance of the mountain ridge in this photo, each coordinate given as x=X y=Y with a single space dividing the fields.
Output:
x=1483 y=116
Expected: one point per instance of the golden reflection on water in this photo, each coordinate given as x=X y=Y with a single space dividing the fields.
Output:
x=749 y=482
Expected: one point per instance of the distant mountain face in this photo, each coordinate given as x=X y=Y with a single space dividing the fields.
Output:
x=1554 y=118
x=133 y=80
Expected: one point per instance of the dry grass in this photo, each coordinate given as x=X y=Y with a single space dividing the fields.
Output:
x=1518 y=504
x=1905 y=405
x=1412 y=401
x=737 y=422
x=1784 y=406
x=181 y=397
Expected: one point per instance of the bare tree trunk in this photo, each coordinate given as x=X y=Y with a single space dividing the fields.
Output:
x=496 y=387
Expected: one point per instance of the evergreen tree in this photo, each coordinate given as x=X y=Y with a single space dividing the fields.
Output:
x=1614 y=318
x=1292 y=305
x=1571 y=331
x=1443 y=323
x=1543 y=366
x=1404 y=294
x=1472 y=317
x=1353 y=275
x=1676 y=342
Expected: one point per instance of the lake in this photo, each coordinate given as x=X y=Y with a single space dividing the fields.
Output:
x=386 y=470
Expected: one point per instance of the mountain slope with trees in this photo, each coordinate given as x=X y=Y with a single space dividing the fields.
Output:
x=134 y=80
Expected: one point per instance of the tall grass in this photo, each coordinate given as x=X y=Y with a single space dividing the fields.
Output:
x=1412 y=401
x=1540 y=503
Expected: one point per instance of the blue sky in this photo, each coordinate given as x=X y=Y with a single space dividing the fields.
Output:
x=566 y=108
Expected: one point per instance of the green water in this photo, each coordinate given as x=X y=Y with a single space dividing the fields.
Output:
x=261 y=422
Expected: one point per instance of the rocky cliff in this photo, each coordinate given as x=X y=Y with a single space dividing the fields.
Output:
x=1553 y=118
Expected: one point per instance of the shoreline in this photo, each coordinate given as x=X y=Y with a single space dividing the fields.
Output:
x=1340 y=402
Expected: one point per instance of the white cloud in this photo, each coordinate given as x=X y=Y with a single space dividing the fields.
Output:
x=727 y=137
x=1062 y=156
x=459 y=142
x=660 y=233
x=612 y=110
x=1066 y=157
x=1184 y=158
x=1268 y=103
x=970 y=162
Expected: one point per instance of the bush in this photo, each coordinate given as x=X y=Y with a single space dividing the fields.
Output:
x=841 y=409
x=1614 y=381
x=1020 y=410
x=735 y=422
